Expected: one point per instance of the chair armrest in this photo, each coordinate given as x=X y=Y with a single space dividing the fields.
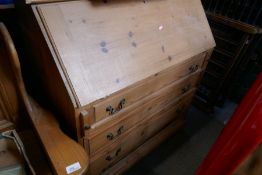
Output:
x=61 y=150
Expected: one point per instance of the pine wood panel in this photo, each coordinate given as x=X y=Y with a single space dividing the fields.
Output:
x=100 y=56
x=139 y=134
x=60 y=149
x=8 y=95
x=1 y=114
x=45 y=38
x=93 y=54
x=6 y=125
x=99 y=135
x=146 y=148
x=47 y=79
x=148 y=86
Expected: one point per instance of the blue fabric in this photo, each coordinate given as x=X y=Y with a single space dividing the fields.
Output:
x=5 y=2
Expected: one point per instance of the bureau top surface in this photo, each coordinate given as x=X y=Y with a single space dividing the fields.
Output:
x=103 y=47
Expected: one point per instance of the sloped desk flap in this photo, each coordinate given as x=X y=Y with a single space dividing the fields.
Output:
x=102 y=48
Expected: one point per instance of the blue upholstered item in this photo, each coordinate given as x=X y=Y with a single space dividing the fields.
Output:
x=5 y=2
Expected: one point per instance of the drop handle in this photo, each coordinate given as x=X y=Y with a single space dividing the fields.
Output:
x=186 y=89
x=111 y=136
x=193 y=68
x=120 y=106
x=111 y=157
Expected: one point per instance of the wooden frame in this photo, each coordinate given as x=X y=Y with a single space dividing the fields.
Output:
x=60 y=149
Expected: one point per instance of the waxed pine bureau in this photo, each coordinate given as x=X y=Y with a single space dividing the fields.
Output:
x=121 y=73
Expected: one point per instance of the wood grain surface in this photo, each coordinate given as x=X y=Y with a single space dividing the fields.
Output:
x=105 y=47
x=144 y=149
x=148 y=86
x=93 y=54
x=136 y=136
x=60 y=149
x=142 y=110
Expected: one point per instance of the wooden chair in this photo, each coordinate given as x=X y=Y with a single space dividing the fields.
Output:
x=60 y=149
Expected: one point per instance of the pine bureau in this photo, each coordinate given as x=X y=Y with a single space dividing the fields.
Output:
x=121 y=73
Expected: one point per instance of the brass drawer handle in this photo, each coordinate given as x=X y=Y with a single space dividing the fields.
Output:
x=120 y=106
x=110 y=136
x=186 y=88
x=193 y=68
x=111 y=157
x=110 y=109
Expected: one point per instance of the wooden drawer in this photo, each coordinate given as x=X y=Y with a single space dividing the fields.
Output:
x=125 y=98
x=121 y=166
x=108 y=131
x=138 y=135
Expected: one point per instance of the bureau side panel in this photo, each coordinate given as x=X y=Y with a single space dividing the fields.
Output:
x=47 y=80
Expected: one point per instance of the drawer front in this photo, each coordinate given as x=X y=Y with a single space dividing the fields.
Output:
x=138 y=135
x=110 y=130
x=129 y=96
